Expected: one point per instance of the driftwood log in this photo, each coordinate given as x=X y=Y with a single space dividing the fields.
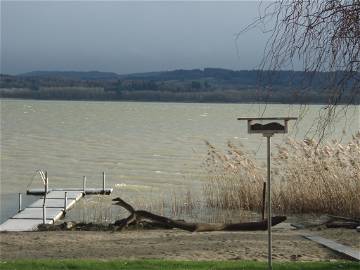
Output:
x=163 y=222
x=331 y=221
x=342 y=222
x=332 y=217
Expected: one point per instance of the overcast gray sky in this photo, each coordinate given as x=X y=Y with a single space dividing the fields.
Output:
x=127 y=37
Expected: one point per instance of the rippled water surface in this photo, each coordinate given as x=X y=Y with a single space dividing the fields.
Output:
x=155 y=145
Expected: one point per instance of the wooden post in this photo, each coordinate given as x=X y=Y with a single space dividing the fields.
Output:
x=65 y=201
x=20 y=203
x=103 y=184
x=44 y=214
x=84 y=185
x=263 y=201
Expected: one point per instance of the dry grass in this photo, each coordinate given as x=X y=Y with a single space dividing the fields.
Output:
x=100 y=209
x=93 y=209
x=234 y=180
x=307 y=177
x=180 y=204
x=319 y=179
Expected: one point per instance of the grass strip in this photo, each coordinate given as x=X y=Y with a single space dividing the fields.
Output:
x=176 y=265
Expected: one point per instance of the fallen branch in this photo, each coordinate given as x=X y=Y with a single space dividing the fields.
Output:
x=342 y=224
x=164 y=222
x=332 y=217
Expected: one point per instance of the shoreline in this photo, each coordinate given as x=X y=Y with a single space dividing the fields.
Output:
x=288 y=245
x=179 y=101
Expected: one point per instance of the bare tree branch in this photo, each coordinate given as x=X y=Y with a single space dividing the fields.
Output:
x=321 y=35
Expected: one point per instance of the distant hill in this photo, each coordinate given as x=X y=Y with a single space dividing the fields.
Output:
x=72 y=75
x=217 y=75
x=254 y=78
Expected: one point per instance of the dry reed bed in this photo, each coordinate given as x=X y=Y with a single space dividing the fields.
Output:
x=308 y=178
x=180 y=204
x=100 y=209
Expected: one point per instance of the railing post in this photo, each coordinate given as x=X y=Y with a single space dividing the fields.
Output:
x=20 y=202
x=65 y=201
x=46 y=182
x=46 y=191
x=103 y=187
x=84 y=185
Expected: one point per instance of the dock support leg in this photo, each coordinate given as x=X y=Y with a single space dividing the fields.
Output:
x=20 y=202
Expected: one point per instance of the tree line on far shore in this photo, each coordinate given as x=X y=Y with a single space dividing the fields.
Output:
x=208 y=85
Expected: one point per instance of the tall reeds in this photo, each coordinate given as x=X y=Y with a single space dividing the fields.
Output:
x=307 y=178
x=319 y=179
x=234 y=179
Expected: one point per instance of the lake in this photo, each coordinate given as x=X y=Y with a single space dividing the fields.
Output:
x=146 y=146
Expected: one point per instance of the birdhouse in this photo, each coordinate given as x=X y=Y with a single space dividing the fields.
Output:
x=267 y=125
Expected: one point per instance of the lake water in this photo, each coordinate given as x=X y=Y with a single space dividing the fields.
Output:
x=148 y=146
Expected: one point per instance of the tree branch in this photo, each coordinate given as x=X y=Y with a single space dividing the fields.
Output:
x=164 y=222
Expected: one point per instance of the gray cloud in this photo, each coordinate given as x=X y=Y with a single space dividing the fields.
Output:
x=127 y=37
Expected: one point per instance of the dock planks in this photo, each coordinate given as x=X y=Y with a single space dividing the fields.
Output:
x=52 y=203
x=32 y=216
x=345 y=250
x=13 y=225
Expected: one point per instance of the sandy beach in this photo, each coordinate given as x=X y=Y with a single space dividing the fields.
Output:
x=169 y=244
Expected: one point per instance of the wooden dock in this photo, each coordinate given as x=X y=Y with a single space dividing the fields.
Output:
x=29 y=218
x=342 y=249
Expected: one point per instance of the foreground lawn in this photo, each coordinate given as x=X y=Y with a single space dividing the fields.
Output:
x=177 y=265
